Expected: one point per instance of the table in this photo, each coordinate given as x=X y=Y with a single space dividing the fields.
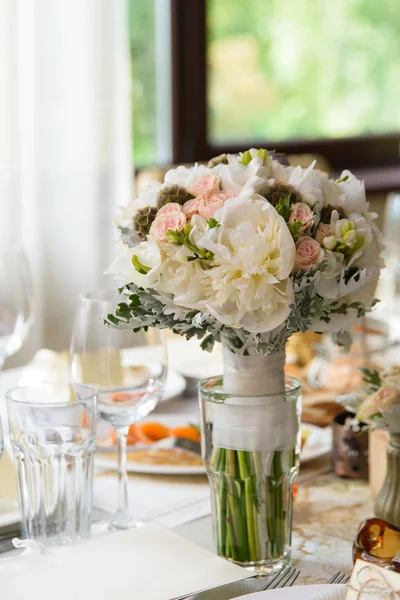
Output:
x=327 y=509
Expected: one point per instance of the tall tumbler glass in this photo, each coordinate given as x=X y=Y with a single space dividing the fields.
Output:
x=52 y=432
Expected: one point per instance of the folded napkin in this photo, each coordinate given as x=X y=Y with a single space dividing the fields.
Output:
x=167 y=500
x=370 y=582
x=147 y=563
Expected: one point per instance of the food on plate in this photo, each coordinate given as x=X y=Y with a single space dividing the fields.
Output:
x=150 y=432
x=165 y=456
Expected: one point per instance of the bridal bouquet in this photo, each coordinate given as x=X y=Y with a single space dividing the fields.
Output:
x=247 y=251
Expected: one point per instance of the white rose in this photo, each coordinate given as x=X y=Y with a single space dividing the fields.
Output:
x=352 y=194
x=253 y=257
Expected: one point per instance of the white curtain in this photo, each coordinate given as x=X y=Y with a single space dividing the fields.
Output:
x=65 y=147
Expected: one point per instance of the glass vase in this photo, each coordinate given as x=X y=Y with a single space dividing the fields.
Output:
x=387 y=503
x=250 y=448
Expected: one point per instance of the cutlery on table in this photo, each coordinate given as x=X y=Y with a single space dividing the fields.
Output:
x=339 y=577
x=284 y=578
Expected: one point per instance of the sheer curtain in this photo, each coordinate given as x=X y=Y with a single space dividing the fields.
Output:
x=65 y=147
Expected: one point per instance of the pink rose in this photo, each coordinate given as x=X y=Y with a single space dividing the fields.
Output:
x=171 y=221
x=191 y=207
x=205 y=186
x=301 y=212
x=210 y=204
x=307 y=253
x=169 y=208
x=323 y=231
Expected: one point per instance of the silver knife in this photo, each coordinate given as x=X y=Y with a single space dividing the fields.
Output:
x=228 y=590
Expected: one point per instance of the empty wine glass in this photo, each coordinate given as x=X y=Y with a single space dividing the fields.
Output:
x=127 y=368
x=16 y=302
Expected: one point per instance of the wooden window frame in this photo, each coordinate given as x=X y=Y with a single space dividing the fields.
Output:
x=373 y=157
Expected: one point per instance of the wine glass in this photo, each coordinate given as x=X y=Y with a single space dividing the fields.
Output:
x=16 y=302
x=128 y=369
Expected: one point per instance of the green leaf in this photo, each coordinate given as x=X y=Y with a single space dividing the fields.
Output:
x=246 y=158
x=212 y=223
x=283 y=207
x=342 y=179
x=294 y=229
x=371 y=378
x=140 y=268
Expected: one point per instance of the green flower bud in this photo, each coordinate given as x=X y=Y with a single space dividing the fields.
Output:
x=263 y=154
x=246 y=158
x=329 y=242
x=140 y=268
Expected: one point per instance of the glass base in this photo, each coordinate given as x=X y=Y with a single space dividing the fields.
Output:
x=265 y=568
x=119 y=524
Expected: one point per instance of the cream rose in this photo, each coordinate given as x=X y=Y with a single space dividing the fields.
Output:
x=303 y=213
x=381 y=401
x=308 y=253
x=205 y=186
x=171 y=207
x=323 y=231
x=161 y=225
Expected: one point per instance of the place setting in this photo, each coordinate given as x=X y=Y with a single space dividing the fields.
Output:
x=199 y=300
x=87 y=436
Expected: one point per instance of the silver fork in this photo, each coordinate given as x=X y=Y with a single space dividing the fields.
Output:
x=284 y=578
x=339 y=577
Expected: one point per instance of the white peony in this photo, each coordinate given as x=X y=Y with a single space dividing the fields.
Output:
x=185 y=176
x=244 y=179
x=352 y=194
x=253 y=257
x=315 y=187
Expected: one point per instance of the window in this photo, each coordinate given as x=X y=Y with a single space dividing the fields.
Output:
x=300 y=76
x=150 y=46
x=301 y=69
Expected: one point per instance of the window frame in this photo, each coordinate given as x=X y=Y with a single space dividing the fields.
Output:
x=375 y=157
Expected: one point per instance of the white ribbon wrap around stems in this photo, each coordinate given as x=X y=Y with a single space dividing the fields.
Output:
x=263 y=421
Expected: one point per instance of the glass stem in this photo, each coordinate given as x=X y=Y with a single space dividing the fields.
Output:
x=123 y=518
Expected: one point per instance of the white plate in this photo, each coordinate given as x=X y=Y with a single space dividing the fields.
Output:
x=109 y=461
x=318 y=443
x=302 y=592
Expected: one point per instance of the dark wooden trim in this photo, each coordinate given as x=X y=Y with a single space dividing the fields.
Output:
x=189 y=85
x=366 y=154
x=351 y=153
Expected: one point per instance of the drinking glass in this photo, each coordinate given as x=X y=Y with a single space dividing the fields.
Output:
x=52 y=434
x=128 y=369
x=16 y=302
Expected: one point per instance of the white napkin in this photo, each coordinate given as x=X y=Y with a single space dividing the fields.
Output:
x=169 y=501
x=148 y=563
x=46 y=366
x=9 y=508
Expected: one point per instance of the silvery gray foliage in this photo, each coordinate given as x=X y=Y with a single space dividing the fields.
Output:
x=144 y=308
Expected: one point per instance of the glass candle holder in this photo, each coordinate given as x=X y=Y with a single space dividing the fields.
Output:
x=250 y=448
